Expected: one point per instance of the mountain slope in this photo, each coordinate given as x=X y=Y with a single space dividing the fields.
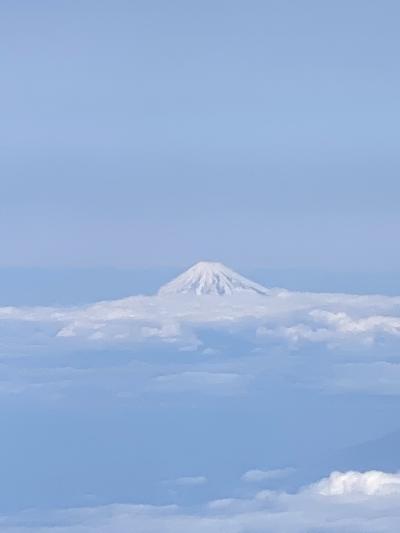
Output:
x=208 y=278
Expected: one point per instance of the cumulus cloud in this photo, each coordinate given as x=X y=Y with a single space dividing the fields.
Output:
x=287 y=316
x=289 y=321
x=372 y=483
x=350 y=502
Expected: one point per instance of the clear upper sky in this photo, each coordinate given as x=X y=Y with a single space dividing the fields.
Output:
x=153 y=133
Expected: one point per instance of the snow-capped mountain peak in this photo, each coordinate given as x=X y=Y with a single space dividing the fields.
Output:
x=211 y=278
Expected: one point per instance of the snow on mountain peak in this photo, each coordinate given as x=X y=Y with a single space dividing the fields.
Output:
x=211 y=278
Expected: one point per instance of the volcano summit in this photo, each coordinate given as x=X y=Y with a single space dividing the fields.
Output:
x=208 y=278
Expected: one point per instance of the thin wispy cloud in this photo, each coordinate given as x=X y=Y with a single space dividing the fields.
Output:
x=257 y=476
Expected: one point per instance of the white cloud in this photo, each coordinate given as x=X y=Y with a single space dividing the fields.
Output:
x=255 y=476
x=287 y=320
x=349 y=502
x=372 y=483
x=291 y=317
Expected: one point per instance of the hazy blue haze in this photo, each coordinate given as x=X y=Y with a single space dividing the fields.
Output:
x=136 y=138
x=153 y=133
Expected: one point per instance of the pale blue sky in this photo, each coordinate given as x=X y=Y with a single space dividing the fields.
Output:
x=137 y=137
x=144 y=133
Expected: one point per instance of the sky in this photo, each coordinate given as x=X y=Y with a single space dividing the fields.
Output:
x=137 y=138
x=153 y=134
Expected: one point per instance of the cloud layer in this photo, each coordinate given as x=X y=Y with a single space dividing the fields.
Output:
x=342 y=342
x=289 y=317
x=350 y=502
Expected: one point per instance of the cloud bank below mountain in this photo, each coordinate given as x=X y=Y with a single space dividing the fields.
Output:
x=342 y=342
x=289 y=318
